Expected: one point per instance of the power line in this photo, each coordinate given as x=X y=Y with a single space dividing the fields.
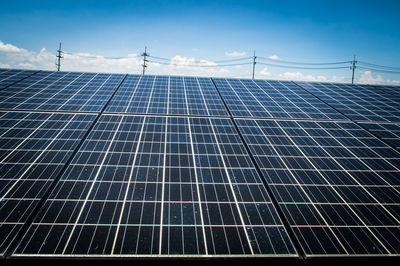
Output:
x=379 y=66
x=301 y=67
x=187 y=65
x=95 y=56
x=159 y=58
x=214 y=61
x=304 y=63
x=233 y=60
x=380 y=70
x=245 y=61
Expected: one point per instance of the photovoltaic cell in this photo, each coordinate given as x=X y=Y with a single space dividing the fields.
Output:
x=164 y=172
x=393 y=92
x=61 y=91
x=389 y=132
x=359 y=103
x=167 y=95
x=8 y=77
x=337 y=185
x=159 y=186
x=272 y=99
x=34 y=147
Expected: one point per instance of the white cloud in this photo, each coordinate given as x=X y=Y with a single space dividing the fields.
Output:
x=300 y=77
x=4 y=65
x=337 y=79
x=235 y=53
x=93 y=63
x=182 y=61
x=15 y=57
x=274 y=57
x=6 y=47
x=295 y=76
x=264 y=73
x=367 y=78
x=182 y=65
x=12 y=56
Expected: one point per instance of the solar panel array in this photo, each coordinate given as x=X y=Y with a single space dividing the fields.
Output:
x=109 y=165
x=11 y=76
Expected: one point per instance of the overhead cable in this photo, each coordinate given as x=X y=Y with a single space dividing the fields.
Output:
x=261 y=60
x=379 y=70
x=199 y=65
x=214 y=61
x=378 y=66
x=94 y=56
x=300 y=67
x=303 y=63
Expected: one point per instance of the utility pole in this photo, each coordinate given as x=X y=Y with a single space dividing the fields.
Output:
x=59 y=56
x=352 y=68
x=144 y=59
x=254 y=62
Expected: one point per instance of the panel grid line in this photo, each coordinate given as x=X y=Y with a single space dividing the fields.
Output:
x=171 y=166
x=340 y=196
x=30 y=219
x=293 y=239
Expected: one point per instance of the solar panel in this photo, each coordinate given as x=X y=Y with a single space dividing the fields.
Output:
x=34 y=148
x=11 y=76
x=356 y=102
x=141 y=166
x=393 y=92
x=388 y=132
x=167 y=95
x=61 y=91
x=143 y=185
x=337 y=185
x=279 y=99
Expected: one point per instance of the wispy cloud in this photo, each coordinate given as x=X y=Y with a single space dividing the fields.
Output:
x=235 y=53
x=297 y=76
x=274 y=57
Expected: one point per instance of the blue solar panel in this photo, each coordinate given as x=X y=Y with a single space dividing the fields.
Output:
x=359 y=103
x=167 y=95
x=34 y=148
x=159 y=186
x=143 y=166
x=11 y=76
x=335 y=183
x=388 y=132
x=61 y=91
x=272 y=99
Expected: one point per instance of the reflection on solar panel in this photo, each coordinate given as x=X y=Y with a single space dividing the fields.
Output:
x=34 y=148
x=11 y=76
x=159 y=185
x=65 y=91
x=280 y=99
x=167 y=95
x=356 y=102
x=108 y=165
x=392 y=92
x=337 y=184
x=390 y=133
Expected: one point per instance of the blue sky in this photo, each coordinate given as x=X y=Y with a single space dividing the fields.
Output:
x=189 y=31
